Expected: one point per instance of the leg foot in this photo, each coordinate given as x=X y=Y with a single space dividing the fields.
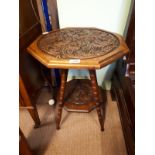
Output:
x=58 y=117
x=36 y=126
x=100 y=118
x=35 y=117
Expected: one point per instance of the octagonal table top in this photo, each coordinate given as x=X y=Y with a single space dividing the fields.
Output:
x=78 y=48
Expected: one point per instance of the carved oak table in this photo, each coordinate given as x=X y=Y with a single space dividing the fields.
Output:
x=78 y=48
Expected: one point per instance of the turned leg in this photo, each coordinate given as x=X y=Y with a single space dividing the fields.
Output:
x=96 y=96
x=32 y=111
x=61 y=97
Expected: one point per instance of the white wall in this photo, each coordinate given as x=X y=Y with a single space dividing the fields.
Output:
x=110 y=15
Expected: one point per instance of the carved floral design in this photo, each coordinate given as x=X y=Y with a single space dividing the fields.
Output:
x=79 y=43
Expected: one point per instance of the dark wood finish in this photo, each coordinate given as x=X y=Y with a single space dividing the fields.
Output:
x=26 y=102
x=29 y=29
x=130 y=39
x=26 y=16
x=29 y=68
x=123 y=89
x=29 y=35
x=125 y=103
x=24 y=148
x=41 y=15
x=53 y=12
x=60 y=101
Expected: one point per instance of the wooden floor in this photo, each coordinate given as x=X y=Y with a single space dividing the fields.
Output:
x=79 y=134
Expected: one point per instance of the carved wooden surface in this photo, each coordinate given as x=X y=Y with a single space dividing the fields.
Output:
x=78 y=43
x=94 y=47
x=79 y=96
x=79 y=92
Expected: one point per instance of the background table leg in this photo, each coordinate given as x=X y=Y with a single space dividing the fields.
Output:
x=25 y=101
x=35 y=116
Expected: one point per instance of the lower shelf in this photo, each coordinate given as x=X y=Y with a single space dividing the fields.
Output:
x=79 y=96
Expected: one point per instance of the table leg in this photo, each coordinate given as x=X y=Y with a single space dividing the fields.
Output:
x=25 y=101
x=96 y=96
x=61 y=97
x=35 y=116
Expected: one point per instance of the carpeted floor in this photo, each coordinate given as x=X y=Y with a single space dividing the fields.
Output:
x=79 y=134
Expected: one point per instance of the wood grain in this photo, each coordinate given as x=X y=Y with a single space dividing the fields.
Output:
x=78 y=43
x=53 y=12
x=79 y=96
x=26 y=102
x=29 y=68
x=92 y=63
x=96 y=94
x=41 y=15
x=61 y=97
